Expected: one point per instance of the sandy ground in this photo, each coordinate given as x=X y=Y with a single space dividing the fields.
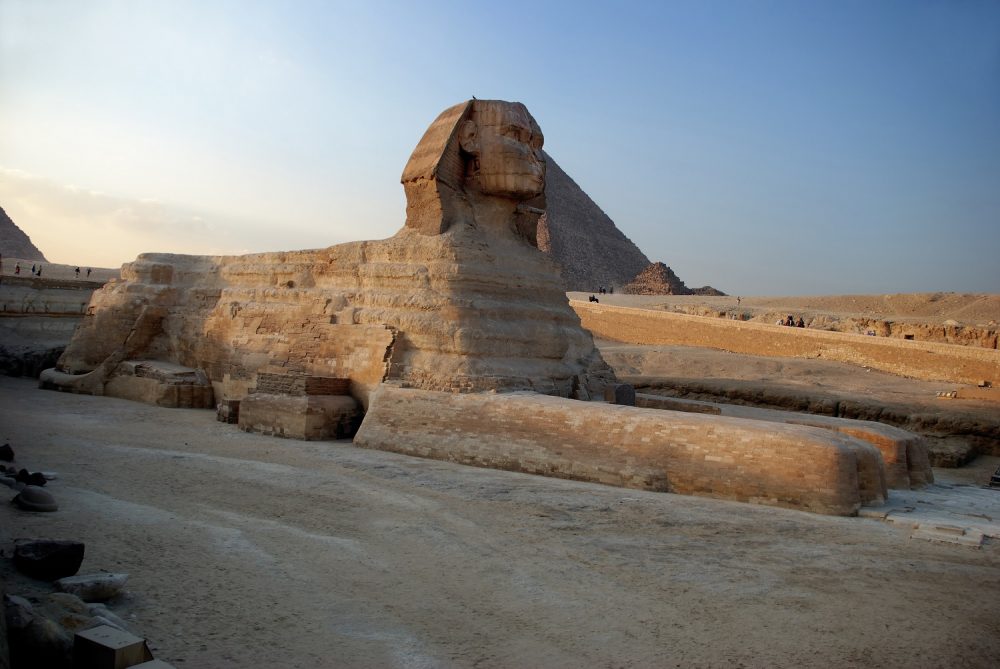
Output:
x=250 y=551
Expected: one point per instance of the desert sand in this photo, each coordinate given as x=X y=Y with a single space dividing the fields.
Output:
x=252 y=551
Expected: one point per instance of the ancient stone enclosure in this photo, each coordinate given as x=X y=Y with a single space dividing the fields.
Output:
x=452 y=339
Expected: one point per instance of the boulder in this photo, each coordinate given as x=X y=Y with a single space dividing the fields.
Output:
x=6 y=453
x=41 y=634
x=93 y=587
x=33 y=498
x=48 y=559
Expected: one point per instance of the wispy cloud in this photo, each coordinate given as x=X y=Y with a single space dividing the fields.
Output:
x=75 y=225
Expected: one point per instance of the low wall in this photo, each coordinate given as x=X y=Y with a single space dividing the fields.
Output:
x=751 y=461
x=904 y=453
x=920 y=360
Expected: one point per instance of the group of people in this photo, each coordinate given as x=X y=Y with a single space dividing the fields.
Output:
x=604 y=291
x=36 y=270
x=791 y=322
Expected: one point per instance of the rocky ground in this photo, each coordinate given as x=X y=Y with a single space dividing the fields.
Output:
x=250 y=551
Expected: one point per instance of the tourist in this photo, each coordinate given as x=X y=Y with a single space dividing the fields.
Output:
x=77 y=272
x=17 y=268
x=39 y=271
x=800 y=323
x=88 y=272
x=32 y=269
x=790 y=321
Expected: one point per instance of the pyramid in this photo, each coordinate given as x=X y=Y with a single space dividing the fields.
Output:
x=590 y=250
x=658 y=279
x=14 y=243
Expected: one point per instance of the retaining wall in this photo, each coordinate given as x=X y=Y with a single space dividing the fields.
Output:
x=929 y=361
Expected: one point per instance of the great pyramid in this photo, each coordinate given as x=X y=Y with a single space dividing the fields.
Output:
x=590 y=250
x=14 y=243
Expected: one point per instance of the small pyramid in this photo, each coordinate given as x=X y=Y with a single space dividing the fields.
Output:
x=14 y=243
x=657 y=279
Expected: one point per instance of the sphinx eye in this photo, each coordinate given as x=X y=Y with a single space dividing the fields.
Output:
x=516 y=132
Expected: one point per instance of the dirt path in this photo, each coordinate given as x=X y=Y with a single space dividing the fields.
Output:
x=249 y=551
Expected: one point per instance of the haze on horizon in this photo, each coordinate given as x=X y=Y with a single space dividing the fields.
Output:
x=765 y=147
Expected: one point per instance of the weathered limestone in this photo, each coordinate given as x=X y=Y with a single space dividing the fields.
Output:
x=783 y=465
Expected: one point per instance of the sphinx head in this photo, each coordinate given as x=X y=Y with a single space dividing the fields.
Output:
x=504 y=148
x=477 y=155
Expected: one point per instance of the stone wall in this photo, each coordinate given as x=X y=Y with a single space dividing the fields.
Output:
x=784 y=465
x=921 y=360
x=905 y=454
x=299 y=384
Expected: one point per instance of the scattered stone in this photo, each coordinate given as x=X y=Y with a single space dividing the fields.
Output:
x=48 y=559
x=38 y=634
x=18 y=612
x=104 y=615
x=93 y=587
x=6 y=453
x=29 y=478
x=33 y=498
x=10 y=482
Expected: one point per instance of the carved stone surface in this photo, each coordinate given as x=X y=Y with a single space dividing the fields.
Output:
x=459 y=300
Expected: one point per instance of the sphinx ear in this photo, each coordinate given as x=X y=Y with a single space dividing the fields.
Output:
x=468 y=137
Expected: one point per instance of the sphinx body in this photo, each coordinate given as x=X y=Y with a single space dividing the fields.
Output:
x=459 y=300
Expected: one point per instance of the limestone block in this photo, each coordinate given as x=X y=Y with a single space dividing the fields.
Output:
x=106 y=647
x=620 y=393
x=784 y=465
x=308 y=417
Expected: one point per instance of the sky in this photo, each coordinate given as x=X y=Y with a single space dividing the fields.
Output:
x=764 y=147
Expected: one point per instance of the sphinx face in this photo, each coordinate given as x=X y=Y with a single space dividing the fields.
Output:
x=505 y=144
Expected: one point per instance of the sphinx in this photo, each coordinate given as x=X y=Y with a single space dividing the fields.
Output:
x=459 y=300
x=453 y=339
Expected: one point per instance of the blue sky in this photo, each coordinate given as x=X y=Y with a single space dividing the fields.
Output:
x=762 y=147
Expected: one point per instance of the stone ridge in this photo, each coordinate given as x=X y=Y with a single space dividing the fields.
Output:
x=590 y=250
x=14 y=243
